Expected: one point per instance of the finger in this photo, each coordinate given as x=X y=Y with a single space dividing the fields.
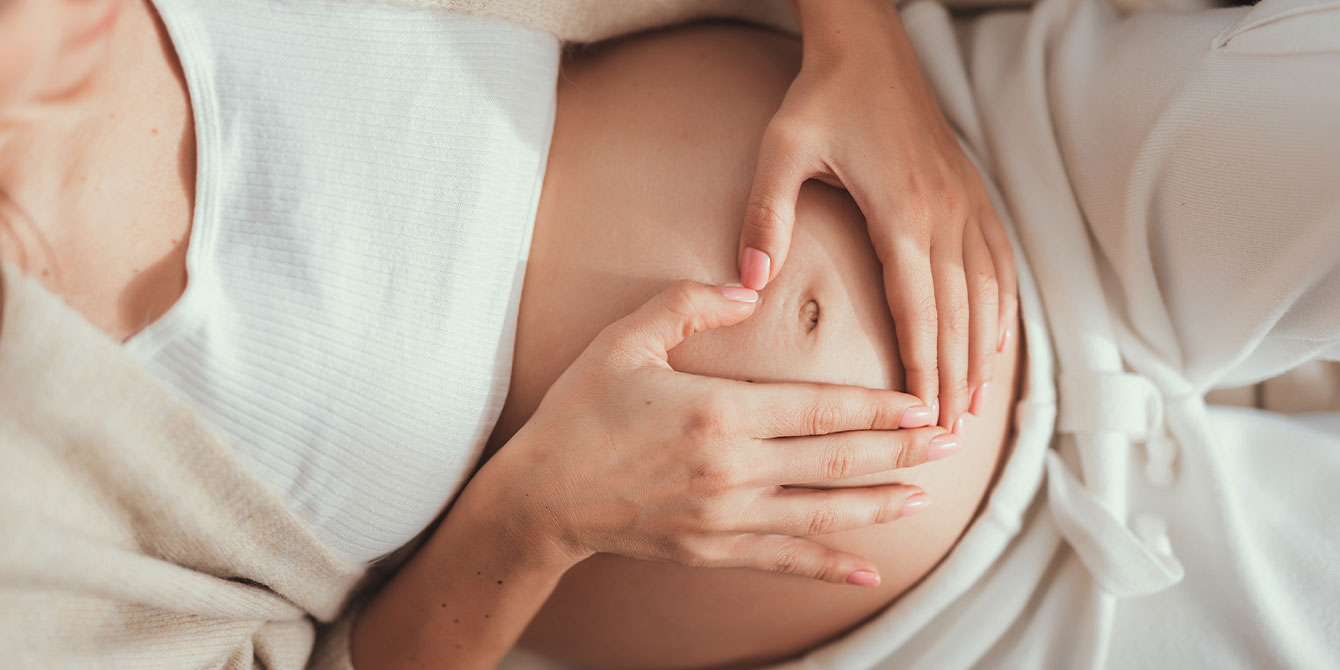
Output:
x=770 y=214
x=685 y=308
x=801 y=409
x=983 y=315
x=806 y=512
x=802 y=557
x=796 y=460
x=951 y=299
x=1002 y=259
x=910 y=290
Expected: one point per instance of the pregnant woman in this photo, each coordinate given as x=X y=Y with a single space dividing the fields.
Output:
x=320 y=250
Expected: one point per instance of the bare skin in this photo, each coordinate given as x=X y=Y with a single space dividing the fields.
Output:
x=100 y=176
x=650 y=163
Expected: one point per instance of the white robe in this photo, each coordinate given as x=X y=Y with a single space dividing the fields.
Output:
x=1173 y=183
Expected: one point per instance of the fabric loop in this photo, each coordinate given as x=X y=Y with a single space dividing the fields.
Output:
x=1109 y=402
x=1125 y=403
x=1124 y=564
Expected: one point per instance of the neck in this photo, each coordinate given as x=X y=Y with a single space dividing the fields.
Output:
x=60 y=153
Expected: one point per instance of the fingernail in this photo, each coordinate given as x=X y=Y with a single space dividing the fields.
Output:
x=941 y=446
x=958 y=426
x=979 y=398
x=754 y=268
x=935 y=409
x=865 y=577
x=1005 y=336
x=915 y=503
x=739 y=293
x=917 y=417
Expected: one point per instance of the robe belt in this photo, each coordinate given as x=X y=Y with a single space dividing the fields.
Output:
x=1103 y=411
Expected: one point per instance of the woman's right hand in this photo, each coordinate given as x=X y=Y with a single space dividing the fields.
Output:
x=625 y=455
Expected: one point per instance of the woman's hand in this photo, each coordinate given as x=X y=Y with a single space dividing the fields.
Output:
x=861 y=116
x=627 y=456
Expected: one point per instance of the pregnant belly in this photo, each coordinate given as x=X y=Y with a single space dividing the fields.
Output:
x=649 y=168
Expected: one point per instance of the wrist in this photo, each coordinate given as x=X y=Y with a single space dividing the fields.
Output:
x=834 y=30
x=502 y=505
x=467 y=595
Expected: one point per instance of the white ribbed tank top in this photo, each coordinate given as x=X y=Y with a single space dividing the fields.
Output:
x=367 y=182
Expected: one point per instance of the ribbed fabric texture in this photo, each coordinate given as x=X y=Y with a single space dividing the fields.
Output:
x=367 y=182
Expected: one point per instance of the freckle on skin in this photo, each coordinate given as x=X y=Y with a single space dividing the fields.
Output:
x=499 y=582
x=487 y=616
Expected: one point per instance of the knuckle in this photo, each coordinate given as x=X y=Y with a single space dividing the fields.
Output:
x=681 y=299
x=705 y=423
x=764 y=217
x=839 y=463
x=887 y=509
x=614 y=335
x=824 y=419
x=927 y=315
x=952 y=201
x=824 y=519
x=787 y=560
x=906 y=457
x=955 y=317
x=792 y=137
x=882 y=412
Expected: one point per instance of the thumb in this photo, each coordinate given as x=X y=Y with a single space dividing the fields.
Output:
x=771 y=212
x=685 y=308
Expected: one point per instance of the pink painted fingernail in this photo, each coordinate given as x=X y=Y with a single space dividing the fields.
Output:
x=935 y=409
x=917 y=417
x=739 y=293
x=1005 y=336
x=958 y=426
x=979 y=398
x=754 y=268
x=864 y=577
x=915 y=503
x=941 y=446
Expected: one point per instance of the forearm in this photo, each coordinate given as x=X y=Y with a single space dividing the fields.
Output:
x=466 y=596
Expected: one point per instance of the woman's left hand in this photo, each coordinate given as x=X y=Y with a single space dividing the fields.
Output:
x=860 y=116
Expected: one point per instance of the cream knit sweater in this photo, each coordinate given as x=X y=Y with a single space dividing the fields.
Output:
x=130 y=536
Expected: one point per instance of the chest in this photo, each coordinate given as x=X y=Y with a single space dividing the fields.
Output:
x=112 y=241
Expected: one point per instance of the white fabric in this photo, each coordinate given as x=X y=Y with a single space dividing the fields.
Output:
x=367 y=182
x=1171 y=180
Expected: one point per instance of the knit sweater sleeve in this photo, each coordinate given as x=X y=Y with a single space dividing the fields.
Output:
x=129 y=534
